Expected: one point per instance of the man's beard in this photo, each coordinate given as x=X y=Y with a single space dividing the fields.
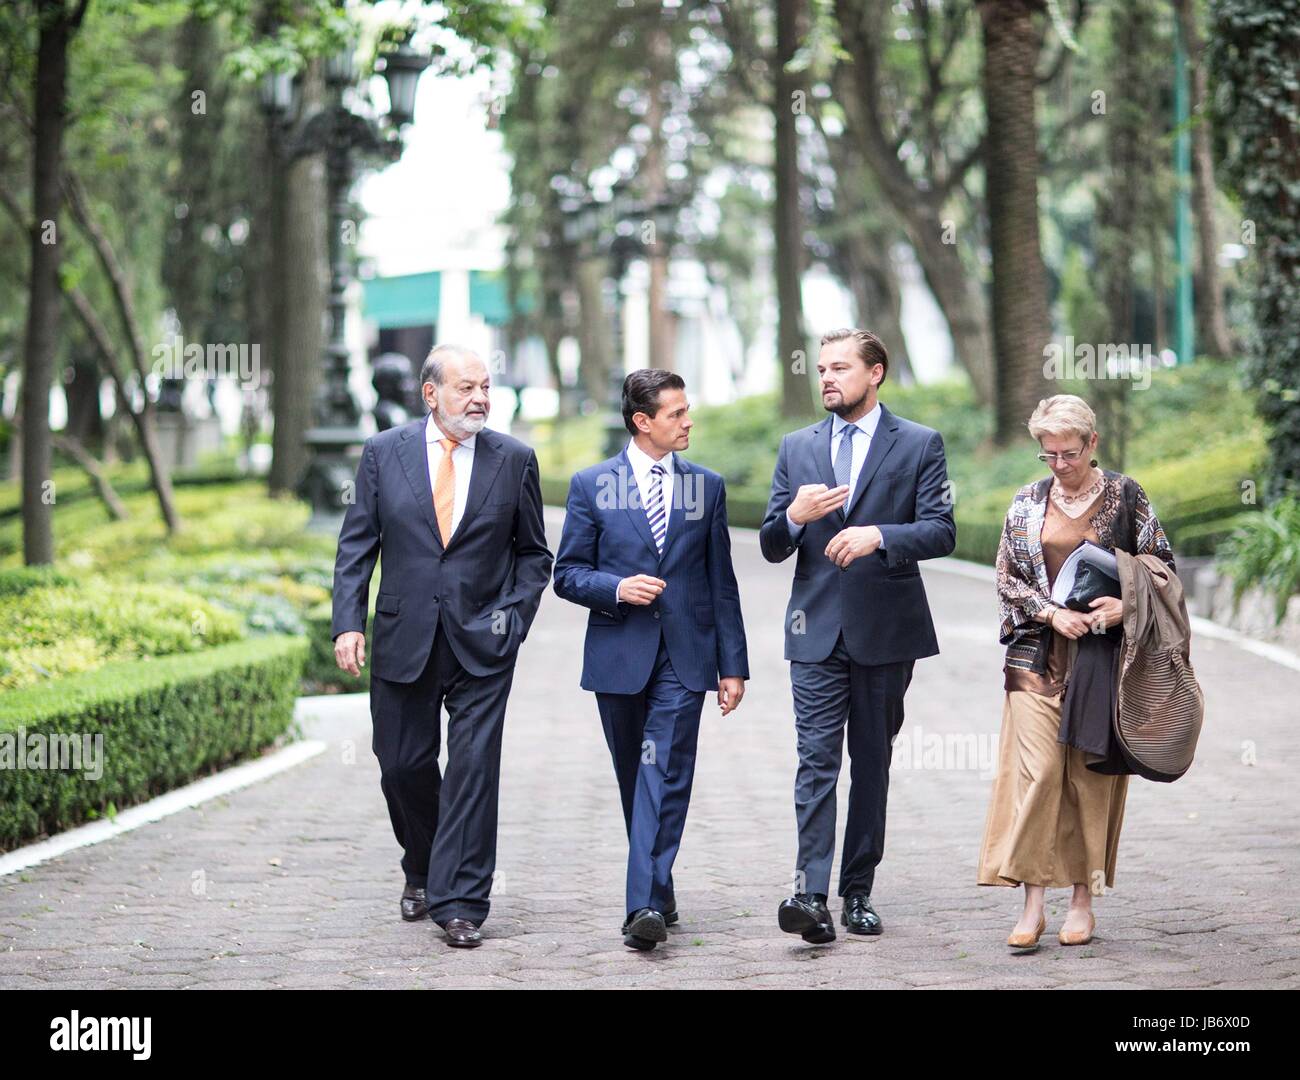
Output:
x=847 y=408
x=462 y=426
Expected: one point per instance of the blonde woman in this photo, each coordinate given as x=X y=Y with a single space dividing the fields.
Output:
x=1052 y=822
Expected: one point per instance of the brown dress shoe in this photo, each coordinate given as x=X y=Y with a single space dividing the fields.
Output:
x=1028 y=940
x=462 y=934
x=1078 y=937
x=414 y=904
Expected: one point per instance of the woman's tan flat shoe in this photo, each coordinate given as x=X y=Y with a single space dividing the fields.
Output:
x=1078 y=937
x=1028 y=941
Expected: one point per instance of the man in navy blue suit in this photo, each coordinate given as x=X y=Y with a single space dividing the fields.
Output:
x=645 y=547
x=862 y=497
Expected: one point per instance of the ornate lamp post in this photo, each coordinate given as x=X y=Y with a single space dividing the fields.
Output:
x=339 y=133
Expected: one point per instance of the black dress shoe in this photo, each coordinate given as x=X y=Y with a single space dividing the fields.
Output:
x=644 y=929
x=462 y=934
x=859 y=916
x=414 y=904
x=805 y=914
x=670 y=917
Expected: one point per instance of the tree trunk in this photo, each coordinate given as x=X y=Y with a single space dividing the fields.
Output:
x=85 y=423
x=57 y=26
x=302 y=277
x=659 y=318
x=593 y=329
x=1215 y=338
x=920 y=210
x=1021 y=321
x=83 y=457
x=792 y=337
x=879 y=302
x=120 y=290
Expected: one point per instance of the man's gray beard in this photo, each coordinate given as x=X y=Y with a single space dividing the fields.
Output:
x=460 y=427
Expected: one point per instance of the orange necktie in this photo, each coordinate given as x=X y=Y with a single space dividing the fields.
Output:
x=444 y=489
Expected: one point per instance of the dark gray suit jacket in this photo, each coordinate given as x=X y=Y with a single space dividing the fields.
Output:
x=877 y=601
x=483 y=588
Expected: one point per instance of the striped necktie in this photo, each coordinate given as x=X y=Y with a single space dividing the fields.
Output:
x=654 y=505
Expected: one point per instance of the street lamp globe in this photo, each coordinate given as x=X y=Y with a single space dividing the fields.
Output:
x=402 y=69
x=276 y=92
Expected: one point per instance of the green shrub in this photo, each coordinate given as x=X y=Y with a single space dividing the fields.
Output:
x=1264 y=552
x=20 y=579
x=321 y=674
x=163 y=722
x=99 y=620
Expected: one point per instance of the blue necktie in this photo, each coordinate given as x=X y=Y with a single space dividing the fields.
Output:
x=654 y=506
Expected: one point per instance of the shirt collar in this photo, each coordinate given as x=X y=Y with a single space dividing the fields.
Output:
x=642 y=462
x=867 y=423
x=432 y=433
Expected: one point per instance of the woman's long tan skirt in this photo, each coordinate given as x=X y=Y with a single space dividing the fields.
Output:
x=1051 y=821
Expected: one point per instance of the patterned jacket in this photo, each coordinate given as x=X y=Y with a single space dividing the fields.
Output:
x=1125 y=517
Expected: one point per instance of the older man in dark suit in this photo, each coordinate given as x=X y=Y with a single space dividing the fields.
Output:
x=862 y=497
x=455 y=509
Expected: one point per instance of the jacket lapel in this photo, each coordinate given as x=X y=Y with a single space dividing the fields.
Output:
x=630 y=496
x=881 y=443
x=483 y=473
x=1034 y=518
x=822 y=452
x=414 y=456
x=682 y=474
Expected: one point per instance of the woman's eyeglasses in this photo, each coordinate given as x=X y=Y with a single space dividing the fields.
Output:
x=1067 y=456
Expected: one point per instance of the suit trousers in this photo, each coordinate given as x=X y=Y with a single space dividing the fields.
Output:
x=651 y=737
x=446 y=825
x=834 y=698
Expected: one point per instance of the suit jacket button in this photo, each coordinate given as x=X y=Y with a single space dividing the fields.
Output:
x=656 y=614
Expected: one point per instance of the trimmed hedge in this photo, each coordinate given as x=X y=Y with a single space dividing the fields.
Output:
x=73 y=485
x=321 y=672
x=163 y=722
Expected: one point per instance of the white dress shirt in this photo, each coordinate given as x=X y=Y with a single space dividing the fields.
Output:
x=462 y=461
x=862 y=436
x=642 y=463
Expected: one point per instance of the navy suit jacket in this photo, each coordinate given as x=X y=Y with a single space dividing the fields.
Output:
x=607 y=538
x=483 y=588
x=878 y=600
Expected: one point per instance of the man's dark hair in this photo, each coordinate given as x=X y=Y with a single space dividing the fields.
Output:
x=641 y=392
x=869 y=348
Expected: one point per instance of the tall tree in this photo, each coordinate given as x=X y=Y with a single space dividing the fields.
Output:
x=1021 y=322
x=789 y=99
x=909 y=89
x=300 y=262
x=1255 y=54
x=58 y=23
x=1212 y=321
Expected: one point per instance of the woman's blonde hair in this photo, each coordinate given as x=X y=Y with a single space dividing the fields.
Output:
x=1061 y=415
